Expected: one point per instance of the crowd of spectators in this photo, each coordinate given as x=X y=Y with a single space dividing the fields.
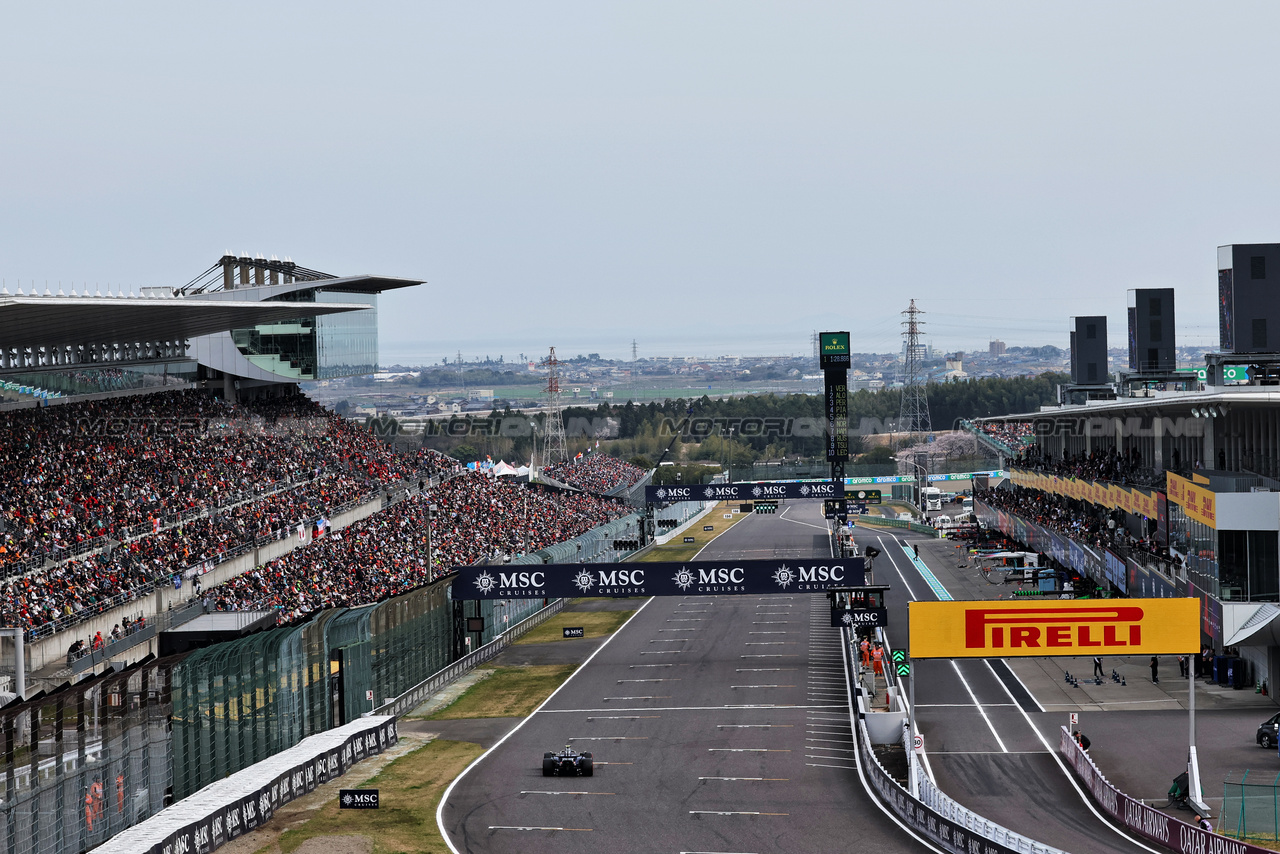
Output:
x=595 y=472
x=1120 y=467
x=116 y=468
x=163 y=483
x=1082 y=521
x=1014 y=435
x=475 y=517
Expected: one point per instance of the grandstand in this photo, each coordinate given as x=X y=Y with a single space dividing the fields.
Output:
x=159 y=463
x=595 y=472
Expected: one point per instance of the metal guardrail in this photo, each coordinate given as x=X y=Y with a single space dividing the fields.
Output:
x=934 y=815
x=881 y=522
x=420 y=693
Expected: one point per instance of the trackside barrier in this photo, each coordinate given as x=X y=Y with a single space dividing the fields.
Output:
x=420 y=693
x=935 y=816
x=881 y=522
x=1142 y=820
x=237 y=804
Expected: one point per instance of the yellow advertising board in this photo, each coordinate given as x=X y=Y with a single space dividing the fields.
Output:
x=1196 y=501
x=1129 y=499
x=1054 y=627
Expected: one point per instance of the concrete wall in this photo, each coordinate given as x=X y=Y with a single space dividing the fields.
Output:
x=53 y=650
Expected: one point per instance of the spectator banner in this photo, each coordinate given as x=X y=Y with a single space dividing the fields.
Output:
x=743 y=491
x=1055 y=627
x=1141 y=820
x=1140 y=502
x=532 y=581
x=1196 y=501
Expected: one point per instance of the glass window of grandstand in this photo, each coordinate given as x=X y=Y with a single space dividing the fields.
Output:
x=1202 y=556
x=1249 y=565
x=336 y=345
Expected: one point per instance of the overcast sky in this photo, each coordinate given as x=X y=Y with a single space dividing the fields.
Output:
x=701 y=177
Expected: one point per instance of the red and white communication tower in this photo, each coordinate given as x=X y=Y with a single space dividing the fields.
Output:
x=554 y=450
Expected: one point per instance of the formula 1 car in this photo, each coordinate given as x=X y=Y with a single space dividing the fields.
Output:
x=567 y=763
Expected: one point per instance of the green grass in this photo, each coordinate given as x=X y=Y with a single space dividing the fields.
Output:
x=678 y=550
x=595 y=624
x=511 y=692
x=409 y=790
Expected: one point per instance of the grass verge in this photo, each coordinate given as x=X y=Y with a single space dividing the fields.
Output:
x=678 y=550
x=595 y=624
x=409 y=789
x=511 y=692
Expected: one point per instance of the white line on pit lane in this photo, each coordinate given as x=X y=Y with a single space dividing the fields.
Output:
x=685 y=629
x=511 y=827
x=733 y=812
x=766 y=669
x=607 y=699
x=767 y=655
x=669 y=640
x=772 y=623
x=761 y=686
x=768 y=633
x=568 y=793
x=831 y=749
x=650 y=665
x=608 y=738
x=833 y=740
x=661 y=651
x=746 y=750
x=623 y=717
x=691 y=620
x=753 y=726
x=820 y=765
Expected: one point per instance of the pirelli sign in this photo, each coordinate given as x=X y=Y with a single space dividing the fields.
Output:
x=1061 y=627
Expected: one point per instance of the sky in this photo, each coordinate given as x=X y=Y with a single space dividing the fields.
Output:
x=703 y=178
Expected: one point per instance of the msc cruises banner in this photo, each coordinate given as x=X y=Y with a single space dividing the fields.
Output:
x=689 y=578
x=743 y=491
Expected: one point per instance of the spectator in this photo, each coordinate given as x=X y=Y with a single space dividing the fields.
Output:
x=595 y=472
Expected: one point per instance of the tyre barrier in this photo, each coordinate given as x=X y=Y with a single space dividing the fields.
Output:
x=247 y=799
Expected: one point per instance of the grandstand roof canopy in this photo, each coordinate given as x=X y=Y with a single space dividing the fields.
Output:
x=59 y=321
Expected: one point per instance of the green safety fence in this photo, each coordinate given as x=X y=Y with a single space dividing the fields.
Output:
x=1251 y=809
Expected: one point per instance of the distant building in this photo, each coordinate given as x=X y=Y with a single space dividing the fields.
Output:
x=995 y=348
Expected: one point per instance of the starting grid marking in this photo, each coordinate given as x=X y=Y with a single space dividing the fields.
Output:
x=751 y=779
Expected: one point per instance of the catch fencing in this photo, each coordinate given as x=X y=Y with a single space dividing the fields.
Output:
x=1251 y=809
x=1139 y=819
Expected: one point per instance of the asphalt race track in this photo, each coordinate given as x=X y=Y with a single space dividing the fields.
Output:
x=981 y=732
x=717 y=723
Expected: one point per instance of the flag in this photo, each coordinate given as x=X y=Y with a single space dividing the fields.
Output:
x=302 y=533
x=322 y=526
x=155 y=525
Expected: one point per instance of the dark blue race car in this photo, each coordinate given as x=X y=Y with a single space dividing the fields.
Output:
x=567 y=763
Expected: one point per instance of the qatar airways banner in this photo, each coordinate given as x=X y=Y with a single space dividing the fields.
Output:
x=1146 y=821
x=688 y=578
x=762 y=491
